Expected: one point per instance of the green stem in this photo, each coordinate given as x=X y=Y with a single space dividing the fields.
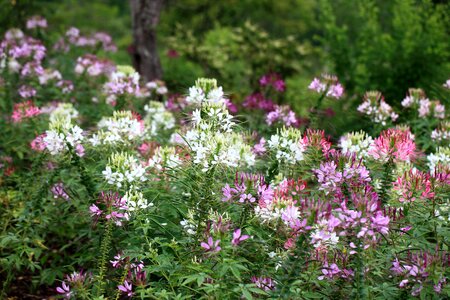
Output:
x=86 y=180
x=104 y=250
x=386 y=181
x=315 y=111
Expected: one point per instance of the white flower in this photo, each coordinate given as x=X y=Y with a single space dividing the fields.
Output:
x=136 y=201
x=124 y=169
x=54 y=141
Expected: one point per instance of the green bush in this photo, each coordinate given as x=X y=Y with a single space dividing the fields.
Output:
x=386 y=45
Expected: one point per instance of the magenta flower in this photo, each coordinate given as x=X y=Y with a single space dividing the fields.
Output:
x=282 y=114
x=95 y=211
x=279 y=85
x=274 y=80
x=259 y=148
x=126 y=288
x=211 y=246
x=237 y=237
x=228 y=192
x=64 y=290
x=59 y=191
x=38 y=144
x=117 y=260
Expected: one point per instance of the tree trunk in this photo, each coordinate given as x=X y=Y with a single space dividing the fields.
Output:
x=145 y=18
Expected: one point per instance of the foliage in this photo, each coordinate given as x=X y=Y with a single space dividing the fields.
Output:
x=121 y=188
x=387 y=45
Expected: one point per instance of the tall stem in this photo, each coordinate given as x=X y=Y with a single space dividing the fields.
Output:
x=315 y=111
x=104 y=250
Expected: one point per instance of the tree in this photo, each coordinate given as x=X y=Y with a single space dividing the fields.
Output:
x=145 y=17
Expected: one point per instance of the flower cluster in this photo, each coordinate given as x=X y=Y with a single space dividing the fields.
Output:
x=258 y=101
x=123 y=127
x=157 y=87
x=282 y=114
x=75 y=281
x=357 y=143
x=414 y=185
x=36 y=22
x=441 y=158
x=211 y=137
x=287 y=145
x=442 y=133
x=164 y=158
x=394 y=144
x=274 y=80
x=416 y=98
x=206 y=92
x=328 y=85
x=61 y=111
x=58 y=191
x=24 y=110
x=62 y=136
x=93 y=66
x=418 y=269
x=376 y=108
x=158 y=118
x=124 y=170
x=247 y=188
x=75 y=38
x=111 y=207
x=124 y=81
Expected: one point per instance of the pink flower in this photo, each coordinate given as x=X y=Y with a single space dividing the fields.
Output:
x=118 y=260
x=279 y=85
x=282 y=114
x=24 y=110
x=95 y=211
x=231 y=106
x=394 y=144
x=228 y=192
x=264 y=283
x=79 y=150
x=65 y=290
x=38 y=143
x=247 y=197
x=27 y=91
x=237 y=237
x=335 y=91
x=211 y=246
x=403 y=283
x=317 y=85
x=126 y=288
x=289 y=244
x=259 y=148
x=274 y=80
x=36 y=21
x=59 y=191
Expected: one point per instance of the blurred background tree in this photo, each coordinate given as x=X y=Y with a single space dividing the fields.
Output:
x=369 y=44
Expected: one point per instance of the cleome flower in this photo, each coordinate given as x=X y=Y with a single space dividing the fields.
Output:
x=376 y=108
x=124 y=127
x=124 y=170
